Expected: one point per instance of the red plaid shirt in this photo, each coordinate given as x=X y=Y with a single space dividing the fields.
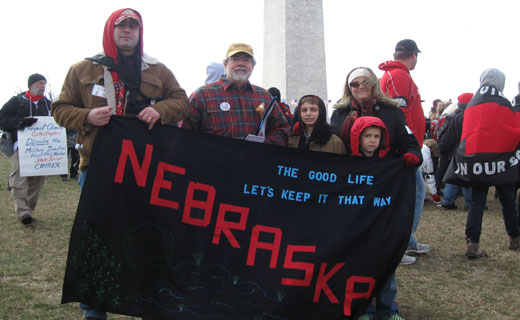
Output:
x=220 y=108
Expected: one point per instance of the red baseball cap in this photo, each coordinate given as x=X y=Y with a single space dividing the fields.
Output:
x=128 y=14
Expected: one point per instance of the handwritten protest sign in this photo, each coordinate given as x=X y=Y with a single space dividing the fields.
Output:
x=42 y=149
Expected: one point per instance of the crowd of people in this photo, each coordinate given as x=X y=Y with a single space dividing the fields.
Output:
x=374 y=118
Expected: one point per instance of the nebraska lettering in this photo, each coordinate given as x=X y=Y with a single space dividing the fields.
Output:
x=350 y=294
x=227 y=227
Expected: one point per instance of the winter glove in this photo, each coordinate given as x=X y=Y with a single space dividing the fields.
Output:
x=411 y=159
x=436 y=199
x=26 y=122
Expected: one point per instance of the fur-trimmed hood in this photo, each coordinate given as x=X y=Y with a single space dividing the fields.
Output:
x=146 y=60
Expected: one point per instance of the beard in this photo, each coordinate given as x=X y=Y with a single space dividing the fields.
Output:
x=235 y=76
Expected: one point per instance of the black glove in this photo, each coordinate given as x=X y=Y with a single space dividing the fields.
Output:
x=27 y=122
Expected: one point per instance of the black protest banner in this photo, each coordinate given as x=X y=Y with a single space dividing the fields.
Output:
x=174 y=224
x=488 y=152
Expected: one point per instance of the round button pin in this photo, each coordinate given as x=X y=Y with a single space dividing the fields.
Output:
x=224 y=106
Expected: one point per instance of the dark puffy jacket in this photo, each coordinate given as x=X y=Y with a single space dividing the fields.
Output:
x=17 y=108
x=516 y=101
x=450 y=135
x=401 y=141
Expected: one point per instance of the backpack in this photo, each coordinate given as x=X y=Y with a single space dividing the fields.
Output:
x=437 y=126
x=6 y=143
x=442 y=136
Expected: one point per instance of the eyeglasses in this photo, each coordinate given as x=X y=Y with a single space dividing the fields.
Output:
x=356 y=85
x=128 y=23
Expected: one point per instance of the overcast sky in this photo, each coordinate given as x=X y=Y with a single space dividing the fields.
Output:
x=458 y=39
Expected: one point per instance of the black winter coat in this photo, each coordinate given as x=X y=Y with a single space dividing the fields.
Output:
x=450 y=137
x=401 y=141
x=17 y=108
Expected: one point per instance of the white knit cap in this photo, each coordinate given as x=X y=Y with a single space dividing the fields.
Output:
x=359 y=72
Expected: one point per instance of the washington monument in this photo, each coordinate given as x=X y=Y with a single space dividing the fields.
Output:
x=294 y=48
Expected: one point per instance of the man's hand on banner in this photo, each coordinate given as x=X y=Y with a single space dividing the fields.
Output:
x=99 y=116
x=27 y=122
x=149 y=116
x=411 y=159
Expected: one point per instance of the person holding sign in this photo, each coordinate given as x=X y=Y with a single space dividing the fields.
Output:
x=120 y=81
x=363 y=97
x=127 y=82
x=369 y=137
x=233 y=107
x=17 y=114
x=312 y=132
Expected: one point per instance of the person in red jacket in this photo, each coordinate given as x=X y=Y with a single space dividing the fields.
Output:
x=122 y=81
x=397 y=83
x=369 y=137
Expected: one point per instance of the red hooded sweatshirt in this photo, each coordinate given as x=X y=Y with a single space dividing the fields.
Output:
x=397 y=83
x=110 y=48
x=361 y=124
x=109 y=44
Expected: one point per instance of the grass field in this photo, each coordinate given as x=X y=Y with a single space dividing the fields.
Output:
x=442 y=285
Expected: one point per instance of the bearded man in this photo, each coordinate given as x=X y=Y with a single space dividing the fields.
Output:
x=232 y=107
x=17 y=114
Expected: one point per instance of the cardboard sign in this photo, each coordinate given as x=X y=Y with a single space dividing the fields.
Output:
x=43 y=149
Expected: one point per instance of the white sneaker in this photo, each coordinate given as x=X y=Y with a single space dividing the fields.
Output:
x=419 y=248
x=407 y=260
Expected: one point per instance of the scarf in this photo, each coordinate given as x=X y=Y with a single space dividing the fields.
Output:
x=31 y=97
x=129 y=71
x=356 y=110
